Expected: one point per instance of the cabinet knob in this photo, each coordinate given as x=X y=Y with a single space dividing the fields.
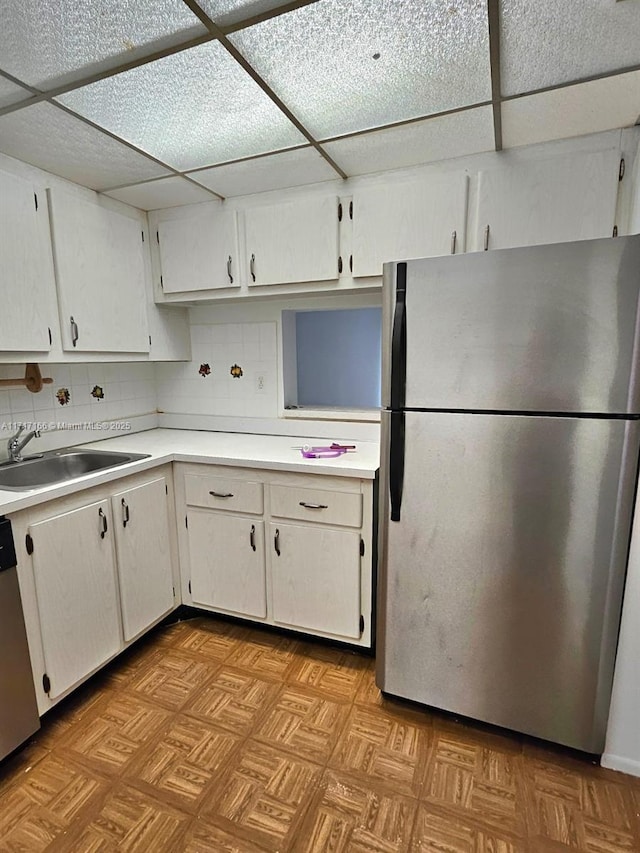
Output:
x=229 y=270
x=313 y=506
x=487 y=231
x=252 y=267
x=221 y=494
x=276 y=542
x=125 y=513
x=454 y=237
x=252 y=537
x=74 y=331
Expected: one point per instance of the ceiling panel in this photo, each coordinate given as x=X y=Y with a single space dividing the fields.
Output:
x=425 y=141
x=167 y=192
x=277 y=171
x=58 y=41
x=552 y=41
x=433 y=56
x=573 y=111
x=48 y=137
x=231 y=11
x=194 y=108
x=10 y=93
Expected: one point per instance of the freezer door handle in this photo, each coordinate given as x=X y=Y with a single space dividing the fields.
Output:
x=399 y=341
x=396 y=463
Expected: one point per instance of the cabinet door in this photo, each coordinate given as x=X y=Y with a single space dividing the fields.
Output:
x=408 y=220
x=141 y=522
x=226 y=555
x=552 y=201
x=75 y=580
x=27 y=276
x=316 y=578
x=99 y=261
x=199 y=253
x=292 y=242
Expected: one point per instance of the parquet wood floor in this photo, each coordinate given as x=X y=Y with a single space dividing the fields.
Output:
x=212 y=737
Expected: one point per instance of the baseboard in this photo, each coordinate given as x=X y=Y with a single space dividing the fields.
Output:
x=618 y=762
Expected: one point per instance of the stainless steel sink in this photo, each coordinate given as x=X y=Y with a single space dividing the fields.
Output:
x=60 y=466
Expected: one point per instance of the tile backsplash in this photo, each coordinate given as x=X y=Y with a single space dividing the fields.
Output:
x=233 y=372
x=80 y=393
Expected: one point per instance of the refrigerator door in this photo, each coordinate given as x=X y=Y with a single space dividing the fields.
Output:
x=536 y=329
x=500 y=586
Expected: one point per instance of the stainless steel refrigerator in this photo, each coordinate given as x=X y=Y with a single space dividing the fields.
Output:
x=510 y=459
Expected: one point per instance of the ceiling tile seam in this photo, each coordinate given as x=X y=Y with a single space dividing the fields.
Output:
x=493 y=20
x=629 y=69
x=244 y=23
x=250 y=70
x=407 y=121
x=19 y=82
x=50 y=94
x=129 y=145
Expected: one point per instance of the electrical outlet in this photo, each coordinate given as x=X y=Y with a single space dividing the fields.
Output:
x=261 y=383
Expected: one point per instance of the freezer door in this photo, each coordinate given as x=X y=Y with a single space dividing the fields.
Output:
x=500 y=586
x=536 y=329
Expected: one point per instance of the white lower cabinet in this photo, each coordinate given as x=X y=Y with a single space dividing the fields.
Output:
x=96 y=569
x=315 y=580
x=227 y=562
x=75 y=579
x=141 y=521
x=313 y=573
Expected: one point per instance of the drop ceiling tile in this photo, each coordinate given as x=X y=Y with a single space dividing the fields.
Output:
x=552 y=41
x=573 y=111
x=58 y=41
x=194 y=108
x=226 y=12
x=425 y=141
x=167 y=192
x=51 y=139
x=277 y=171
x=10 y=93
x=433 y=56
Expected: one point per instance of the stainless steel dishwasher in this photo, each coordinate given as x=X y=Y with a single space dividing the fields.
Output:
x=18 y=709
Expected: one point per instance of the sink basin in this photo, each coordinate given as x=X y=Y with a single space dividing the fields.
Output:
x=60 y=466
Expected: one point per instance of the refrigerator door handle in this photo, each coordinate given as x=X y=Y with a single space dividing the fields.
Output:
x=399 y=341
x=396 y=463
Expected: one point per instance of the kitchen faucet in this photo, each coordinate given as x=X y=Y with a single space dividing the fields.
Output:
x=15 y=445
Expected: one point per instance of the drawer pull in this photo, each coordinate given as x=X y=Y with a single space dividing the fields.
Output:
x=125 y=513
x=276 y=542
x=313 y=506
x=221 y=494
x=252 y=537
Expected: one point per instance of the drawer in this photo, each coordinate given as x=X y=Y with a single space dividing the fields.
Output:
x=340 y=508
x=224 y=493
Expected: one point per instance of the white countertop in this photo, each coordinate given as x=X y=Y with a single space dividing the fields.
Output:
x=274 y=452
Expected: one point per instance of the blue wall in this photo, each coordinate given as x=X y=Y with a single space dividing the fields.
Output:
x=338 y=355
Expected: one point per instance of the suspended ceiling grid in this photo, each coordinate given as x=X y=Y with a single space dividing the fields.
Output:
x=165 y=102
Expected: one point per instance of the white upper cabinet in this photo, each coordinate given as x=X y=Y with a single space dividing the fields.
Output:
x=25 y=268
x=295 y=241
x=413 y=219
x=100 y=273
x=199 y=252
x=549 y=201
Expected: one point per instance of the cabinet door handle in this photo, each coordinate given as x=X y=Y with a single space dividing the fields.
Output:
x=103 y=523
x=221 y=494
x=276 y=542
x=74 y=331
x=453 y=242
x=487 y=231
x=252 y=537
x=313 y=506
x=125 y=513
x=229 y=270
x=252 y=267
